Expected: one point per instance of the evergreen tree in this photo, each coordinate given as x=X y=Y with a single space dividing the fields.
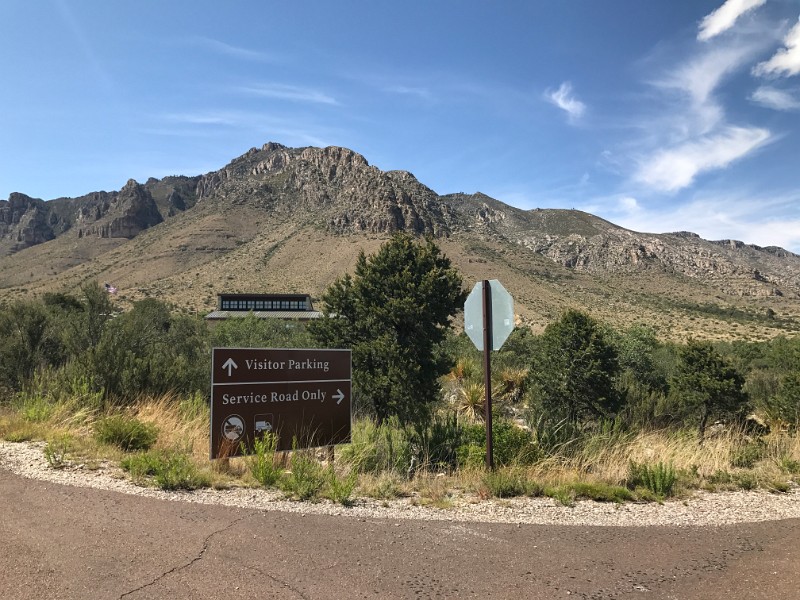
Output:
x=573 y=370
x=707 y=385
x=393 y=313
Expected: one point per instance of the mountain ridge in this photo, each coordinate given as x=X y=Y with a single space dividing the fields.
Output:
x=238 y=226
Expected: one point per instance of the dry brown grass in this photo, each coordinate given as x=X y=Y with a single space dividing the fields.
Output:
x=179 y=426
x=183 y=424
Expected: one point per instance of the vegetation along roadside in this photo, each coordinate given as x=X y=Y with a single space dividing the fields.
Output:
x=583 y=410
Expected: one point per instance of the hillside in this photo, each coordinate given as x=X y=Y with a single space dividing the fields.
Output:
x=294 y=219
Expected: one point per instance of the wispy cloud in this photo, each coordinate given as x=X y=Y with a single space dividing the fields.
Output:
x=288 y=130
x=691 y=134
x=725 y=17
x=230 y=50
x=403 y=90
x=771 y=221
x=786 y=61
x=696 y=81
x=287 y=92
x=564 y=99
x=774 y=98
x=675 y=168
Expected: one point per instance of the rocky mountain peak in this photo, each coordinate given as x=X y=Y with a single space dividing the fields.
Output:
x=121 y=215
x=334 y=187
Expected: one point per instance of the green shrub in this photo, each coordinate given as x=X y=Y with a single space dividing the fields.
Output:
x=262 y=463
x=171 y=470
x=600 y=492
x=658 y=478
x=340 y=489
x=720 y=477
x=471 y=456
x=564 y=495
x=789 y=465
x=746 y=480
x=127 y=433
x=35 y=408
x=511 y=445
x=439 y=442
x=306 y=478
x=56 y=451
x=504 y=483
x=378 y=448
x=746 y=456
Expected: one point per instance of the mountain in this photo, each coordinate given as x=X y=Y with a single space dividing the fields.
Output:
x=294 y=219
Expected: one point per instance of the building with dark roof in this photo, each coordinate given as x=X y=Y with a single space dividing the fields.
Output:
x=264 y=306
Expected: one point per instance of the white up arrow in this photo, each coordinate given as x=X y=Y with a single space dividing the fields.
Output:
x=338 y=396
x=230 y=365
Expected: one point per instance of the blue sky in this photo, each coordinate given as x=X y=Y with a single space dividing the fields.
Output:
x=659 y=115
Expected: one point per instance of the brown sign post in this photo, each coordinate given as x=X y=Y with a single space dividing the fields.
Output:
x=302 y=395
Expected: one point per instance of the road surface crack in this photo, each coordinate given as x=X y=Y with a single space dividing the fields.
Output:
x=178 y=568
x=281 y=582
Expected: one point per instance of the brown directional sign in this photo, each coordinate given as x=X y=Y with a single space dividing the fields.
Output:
x=302 y=395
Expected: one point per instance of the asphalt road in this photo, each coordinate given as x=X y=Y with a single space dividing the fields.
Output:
x=65 y=542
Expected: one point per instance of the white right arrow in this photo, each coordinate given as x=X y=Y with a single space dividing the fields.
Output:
x=230 y=365
x=338 y=396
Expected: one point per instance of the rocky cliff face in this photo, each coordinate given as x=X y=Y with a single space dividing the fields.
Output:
x=121 y=215
x=583 y=242
x=24 y=221
x=334 y=187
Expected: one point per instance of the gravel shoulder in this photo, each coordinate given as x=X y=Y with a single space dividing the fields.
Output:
x=702 y=509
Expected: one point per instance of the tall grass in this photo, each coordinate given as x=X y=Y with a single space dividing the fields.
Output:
x=387 y=461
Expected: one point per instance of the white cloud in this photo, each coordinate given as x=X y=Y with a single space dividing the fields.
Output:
x=744 y=217
x=675 y=168
x=775 y=98
x=230 y=50
x=725 y=17
x=629 y=204
x=696 y=80
x=564 y=99
x=785 y=61
x=288 y=92
x=404 y=90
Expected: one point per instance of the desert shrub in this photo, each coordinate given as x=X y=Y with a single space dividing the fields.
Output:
x=597 y=491
x=377 y=448
x=438 y=442
x=747 y=455
x=504 y=483
x=340 y=489
x=659 y=478
x=262 y=463
x=168 y=470
x=306 y=478
x=252 y=332
x=746 y=480
x=511 y=444
x=56 y=450
x=127 y=433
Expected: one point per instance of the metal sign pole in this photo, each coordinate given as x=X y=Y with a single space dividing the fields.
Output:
x=487 y=370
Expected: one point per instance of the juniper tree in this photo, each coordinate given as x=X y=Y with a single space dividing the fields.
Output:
x=393 y=312
x=707 y=386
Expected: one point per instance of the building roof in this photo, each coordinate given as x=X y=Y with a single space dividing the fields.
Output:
x=300 y=315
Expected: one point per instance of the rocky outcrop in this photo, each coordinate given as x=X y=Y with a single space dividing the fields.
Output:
x=24 y=222
x=334 y=187
x=121 y=215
